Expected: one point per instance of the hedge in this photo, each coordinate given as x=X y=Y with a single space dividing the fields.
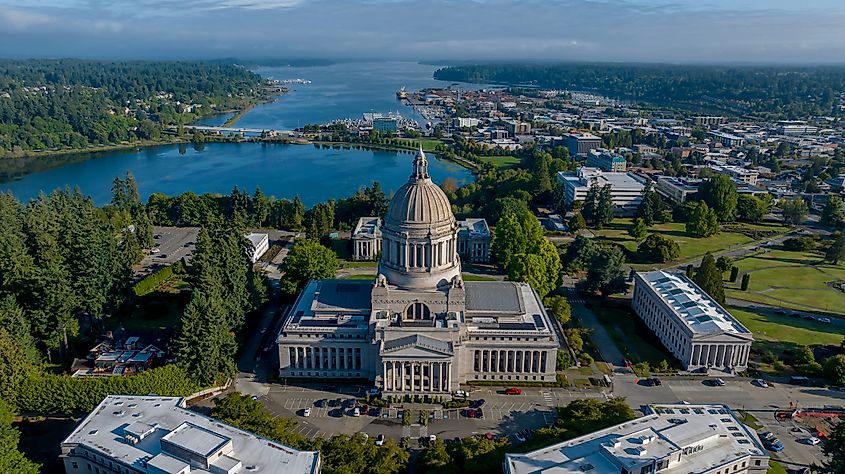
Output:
x=151 y=281
x=62 y=394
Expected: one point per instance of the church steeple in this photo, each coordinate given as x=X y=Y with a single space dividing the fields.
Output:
x=420 y=166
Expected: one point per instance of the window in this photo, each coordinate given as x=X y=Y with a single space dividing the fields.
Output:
x=74 y=465
x=757 y=462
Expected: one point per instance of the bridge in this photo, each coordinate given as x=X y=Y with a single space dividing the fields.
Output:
x=238 y=130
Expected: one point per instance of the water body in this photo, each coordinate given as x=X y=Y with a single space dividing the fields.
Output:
x=280 y=170
x=337 y=91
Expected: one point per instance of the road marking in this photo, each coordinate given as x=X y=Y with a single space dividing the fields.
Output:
x=547 y=397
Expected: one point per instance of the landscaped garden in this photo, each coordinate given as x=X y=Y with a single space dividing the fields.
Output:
x=795 y=280
x=735 y=235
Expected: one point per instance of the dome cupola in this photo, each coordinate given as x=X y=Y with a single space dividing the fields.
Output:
x=419 y=236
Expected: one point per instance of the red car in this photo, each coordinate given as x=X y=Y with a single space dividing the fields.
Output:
x=513 y=391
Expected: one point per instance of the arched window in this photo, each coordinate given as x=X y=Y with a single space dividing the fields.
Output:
x=417 y=311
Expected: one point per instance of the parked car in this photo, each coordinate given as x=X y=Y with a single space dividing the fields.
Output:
x=356 y=411
x=306 y=412
x=775 y=446
x=766 y=436
x=460 y=393
x=812 y=441
x=519 y=437
x=715 y=382
x=373 y=392
x=656 y=381
x=513 y=391
x=760 y=383
x=823 y=320
x=478 y=403
x=380 y=440
x=479 y=413
x=432 y=438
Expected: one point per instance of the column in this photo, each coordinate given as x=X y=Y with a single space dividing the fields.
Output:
x=448 y=375
x=511 y=361
x=494 y=366
x=696 y=351
x=526 y=361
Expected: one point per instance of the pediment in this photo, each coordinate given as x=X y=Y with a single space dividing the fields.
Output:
x=723 y=337
x=414 y=352
x=417 y=346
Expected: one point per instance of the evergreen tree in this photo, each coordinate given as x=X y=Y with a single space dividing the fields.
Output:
x=709 y=278
x=650 y=206
x=832 y=215
x=260 y=210
x=794 y=211
x=605 y=272
x=591 y=205
x=836 y=251
x=204 y=345
x=297 y=214
x=604 y=207
x=11 y=459
x=638 y=229
x=702 y=221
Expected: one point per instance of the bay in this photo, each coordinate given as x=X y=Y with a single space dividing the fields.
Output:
x=314 y=174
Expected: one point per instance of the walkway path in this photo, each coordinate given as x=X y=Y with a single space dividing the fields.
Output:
x=598 y=334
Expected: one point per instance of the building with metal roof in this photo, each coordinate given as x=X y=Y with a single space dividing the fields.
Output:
x=670 y=439
x=158 y=435
x=696 y=329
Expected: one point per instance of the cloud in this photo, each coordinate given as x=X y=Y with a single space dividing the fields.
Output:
x=20 y=20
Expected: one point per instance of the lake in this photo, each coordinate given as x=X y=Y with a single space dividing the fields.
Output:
x=344 y=90
x=280 y=170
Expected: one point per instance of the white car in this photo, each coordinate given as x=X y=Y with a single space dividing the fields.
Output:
x=461 y=393
x=760 y=383
x=432 y=438
x=719 y=382
x=356 y=412
x=306 y=412
x=823 y=320
x=380 y=440
x=155 y=250
x=812 y=441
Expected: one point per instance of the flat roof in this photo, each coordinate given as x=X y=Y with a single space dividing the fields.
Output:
x=618 y=180
x=367 y=227
x=103 y=431
x=705 y=436
x=695 y=308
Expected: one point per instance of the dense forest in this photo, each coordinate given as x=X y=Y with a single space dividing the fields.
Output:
x=777 y=92
x=76 y=104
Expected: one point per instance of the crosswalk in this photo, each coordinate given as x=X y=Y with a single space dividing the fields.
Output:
x=548 y=398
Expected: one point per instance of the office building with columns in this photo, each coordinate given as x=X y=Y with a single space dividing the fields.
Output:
x=417 y=327
x=698 y=331
x=366 y=239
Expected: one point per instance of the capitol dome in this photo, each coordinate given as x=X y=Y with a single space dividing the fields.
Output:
x=419 y=236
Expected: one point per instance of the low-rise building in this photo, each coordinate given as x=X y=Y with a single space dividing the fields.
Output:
x=474 y=240
x=580 y=144
x=738 y=173
x=465 y=122
x=366 y=239
x=157 y=435
x=677 y=189
x=727 y=139
x=607 y=161
x=516 y=127
x=259 y=245
x=626 y=190
x=669 y=439
x=696 y=329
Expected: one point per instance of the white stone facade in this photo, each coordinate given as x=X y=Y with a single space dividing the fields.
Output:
x=699 y=332
x=625 y=190
x=366 y=239
x=417 y=327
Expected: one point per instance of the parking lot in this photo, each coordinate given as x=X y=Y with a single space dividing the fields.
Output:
x=171 y=245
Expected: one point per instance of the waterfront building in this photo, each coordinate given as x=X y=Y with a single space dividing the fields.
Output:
x=474 y=240
x=626 y=189
x=156 y=435
x=607 y=161
x=386 y=125
x=669 y=439
x=580 y=144
x=366 y=239
x=696 y=329
x=417 y=327
x=259 y=244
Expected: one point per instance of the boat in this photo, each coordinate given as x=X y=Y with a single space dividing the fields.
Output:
x=401 y=94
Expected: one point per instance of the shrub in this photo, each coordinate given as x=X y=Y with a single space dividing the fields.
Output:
x=406 y=418
x=658 y=249
x=734 y=273
x=799 y=244
x=585 y=359
x=151 y=281
x=746 y=279
x=563 y=360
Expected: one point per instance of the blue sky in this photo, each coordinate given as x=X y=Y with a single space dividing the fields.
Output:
x=601 y=30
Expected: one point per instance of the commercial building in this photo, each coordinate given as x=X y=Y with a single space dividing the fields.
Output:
x=387 y=125
x=580 y=144
x=795 y=127
x=417 y=327
x=727 y=139
x=259 y=245
x=366 y=239
x=738 y=173
x=698 y=331
x=709 y=120
x=474 y=240
x=465 y=122
x=515 y=127
x=669 y=439
x=626 y=190
x=677 y=189
x=158 y=435
x=607 y=161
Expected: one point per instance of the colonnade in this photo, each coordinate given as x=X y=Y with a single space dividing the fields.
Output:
x=408 y=254
x=366 y=249
x=416 y=376
x=509 y=361
x=720 y=355
x=325 y=358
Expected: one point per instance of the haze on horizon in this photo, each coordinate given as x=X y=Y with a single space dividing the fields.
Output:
x=684 y=31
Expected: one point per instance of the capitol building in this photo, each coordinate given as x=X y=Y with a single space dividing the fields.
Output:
x=417 y=327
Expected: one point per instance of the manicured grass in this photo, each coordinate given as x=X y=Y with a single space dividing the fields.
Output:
x=690 y=246
x=774 y=327
x=776 y=468
x=502 y=162
x=749 y=420
x=359 y=277
x=796 y=280
x=359 y=265
x=468 y=277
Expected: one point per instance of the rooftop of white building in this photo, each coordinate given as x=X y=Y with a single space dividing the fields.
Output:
x=133 y=429
x=695 y=308
x=707 y=436
x=618 y=181
x=367 y=227
x=475 y=226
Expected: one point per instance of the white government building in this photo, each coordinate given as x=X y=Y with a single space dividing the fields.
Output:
x=418 y=327
x=695 y=328
x=626 y=191
x=669 y=439
x=158 y=435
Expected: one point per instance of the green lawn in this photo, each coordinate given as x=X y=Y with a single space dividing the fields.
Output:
x=359 y=277
x=469 y=277
x=502 y=162
x=795 y=280
x=776 y=468
x=690 y=246
x=774 y=327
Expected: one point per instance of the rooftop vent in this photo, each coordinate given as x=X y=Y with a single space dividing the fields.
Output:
x=586 y=467
x=93 y=432
x=118 y=413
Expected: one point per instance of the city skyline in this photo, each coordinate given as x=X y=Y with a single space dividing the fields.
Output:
x=570 y=30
